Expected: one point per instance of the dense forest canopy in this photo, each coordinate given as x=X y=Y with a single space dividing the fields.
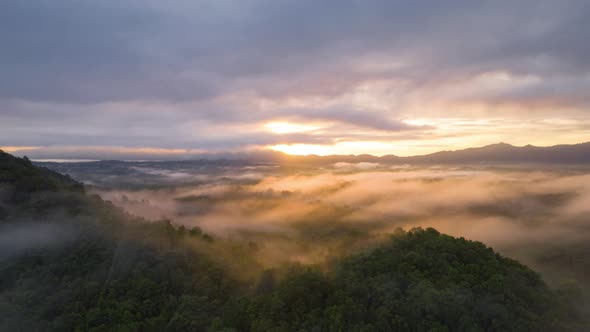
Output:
x=98 y=268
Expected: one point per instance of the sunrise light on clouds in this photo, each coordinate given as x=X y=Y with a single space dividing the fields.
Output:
x=379 y=77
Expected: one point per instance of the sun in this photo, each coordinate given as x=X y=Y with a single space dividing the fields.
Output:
x=375 y=148
x=301 y=149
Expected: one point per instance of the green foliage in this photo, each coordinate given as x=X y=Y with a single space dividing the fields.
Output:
x=103 y=282
x=26 y=179
x=33 y=190
x=418 y=281
x=122 y=273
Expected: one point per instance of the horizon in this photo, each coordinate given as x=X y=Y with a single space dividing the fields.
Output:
x=256 y=155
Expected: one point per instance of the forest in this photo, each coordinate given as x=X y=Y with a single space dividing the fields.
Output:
x=72 y=261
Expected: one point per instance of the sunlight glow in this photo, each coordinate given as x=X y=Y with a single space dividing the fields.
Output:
x=344 y=148
x=303 y=149
x=11 y=149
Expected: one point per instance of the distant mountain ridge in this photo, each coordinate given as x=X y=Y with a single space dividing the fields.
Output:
x=495 y=153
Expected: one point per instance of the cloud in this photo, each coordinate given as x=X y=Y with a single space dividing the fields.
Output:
x=173 y=75
x=130 y=50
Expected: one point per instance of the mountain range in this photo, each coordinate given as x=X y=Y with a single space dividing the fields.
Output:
x=495 y=153
x=500 y=153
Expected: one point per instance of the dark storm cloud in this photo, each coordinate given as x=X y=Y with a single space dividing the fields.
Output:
x=74 y=57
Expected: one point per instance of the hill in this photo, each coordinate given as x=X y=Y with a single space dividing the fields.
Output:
x=506 y=153
x=490 y=154
x=75 y=262
x=419 y=280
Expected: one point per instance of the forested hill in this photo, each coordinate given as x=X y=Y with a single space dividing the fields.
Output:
x=72 y=262
x=20 y=173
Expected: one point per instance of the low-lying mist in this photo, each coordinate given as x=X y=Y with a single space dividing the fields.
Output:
x=539 y=216
x=26 y=236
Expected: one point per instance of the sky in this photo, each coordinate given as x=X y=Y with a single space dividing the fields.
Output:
x=126 y=78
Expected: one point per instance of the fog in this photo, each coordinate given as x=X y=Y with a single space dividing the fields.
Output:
x=308 y=215
x=25 y=236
